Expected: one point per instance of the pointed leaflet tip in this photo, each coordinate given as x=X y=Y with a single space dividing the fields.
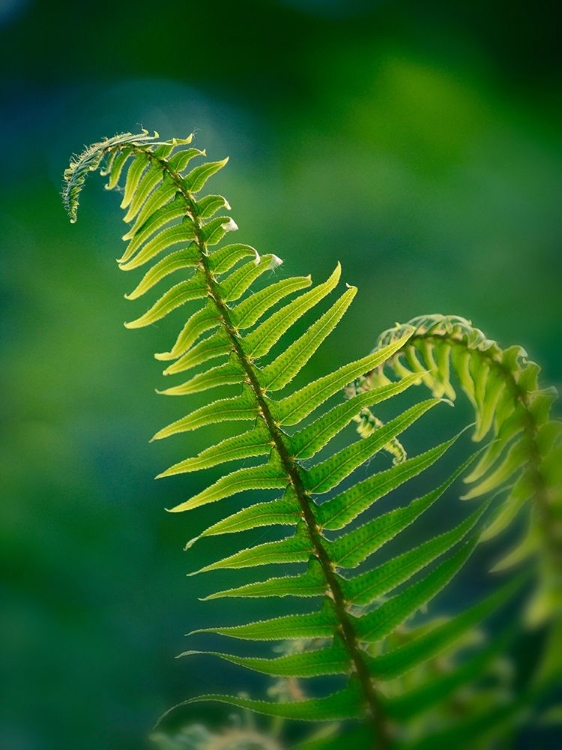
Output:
x=190 y=653
x=166 y=391
x=230 y=225
x=195 y=632
x=191 y=542
x=169 y=370
x=182 y=141
x=176 y=509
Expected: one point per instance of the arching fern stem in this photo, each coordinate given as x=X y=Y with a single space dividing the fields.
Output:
x=334 y=591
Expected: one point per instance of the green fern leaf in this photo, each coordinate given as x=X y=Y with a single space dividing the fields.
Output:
x=260 y=341
x=266 y=477
x=329 y=473
x=174 y=262
x=285 y=511
x=311 y=439
x=375 y=625
x=229 y=373
x=373 y=584
x=252 y=443
x=239 y=326
x=178 y=295
x=289 y=627
x=201 y=321
x=345 y=704
x=325 y=661
x=215 y=345
x=250 y=310
x=310 y=583
x=283 y=369
x=296 y=407
x=342 y=509
x=227 y=409
x=161 y=207
x=293 y=549
x=433 y=691
x=429 y=645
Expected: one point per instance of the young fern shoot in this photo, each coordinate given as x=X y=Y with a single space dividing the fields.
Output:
x=227 y=341
x=511 y=406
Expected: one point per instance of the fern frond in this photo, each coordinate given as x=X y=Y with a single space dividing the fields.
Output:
x=511 y=408
x=238 y=324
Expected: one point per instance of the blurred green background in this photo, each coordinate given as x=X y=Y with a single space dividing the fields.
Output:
x=418 y=143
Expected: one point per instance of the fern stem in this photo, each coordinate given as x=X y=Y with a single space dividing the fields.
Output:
x=382 y=735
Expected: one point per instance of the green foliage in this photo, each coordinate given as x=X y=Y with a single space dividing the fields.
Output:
x=389 y=668
x=525 y=450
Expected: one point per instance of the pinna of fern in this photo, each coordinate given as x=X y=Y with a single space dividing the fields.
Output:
x=227 y=341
